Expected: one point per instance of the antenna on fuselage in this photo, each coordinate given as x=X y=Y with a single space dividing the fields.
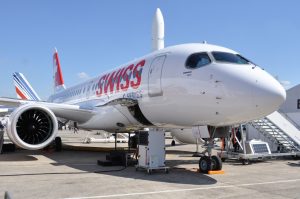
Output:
x=158 y=31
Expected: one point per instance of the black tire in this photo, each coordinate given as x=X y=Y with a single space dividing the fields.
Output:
x=245 y=161
x=7 y=195
x=58 y=144
x=173 y=143
x=8 y=148
x=296 y=157
x=204 y=164
x=216 y=163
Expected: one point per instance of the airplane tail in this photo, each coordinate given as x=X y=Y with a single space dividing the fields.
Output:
x=57 y=74
x=23 y=88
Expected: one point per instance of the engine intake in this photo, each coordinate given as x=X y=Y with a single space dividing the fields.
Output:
x=32 y=127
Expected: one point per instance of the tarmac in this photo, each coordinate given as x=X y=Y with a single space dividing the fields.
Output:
x=74 y=173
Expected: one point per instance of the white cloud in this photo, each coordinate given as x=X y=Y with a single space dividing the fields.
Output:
x=286 y=84
x=82 y=75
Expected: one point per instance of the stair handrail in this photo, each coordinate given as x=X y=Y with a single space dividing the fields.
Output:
x=290 y=140
x=289 y=119
x=295 y=145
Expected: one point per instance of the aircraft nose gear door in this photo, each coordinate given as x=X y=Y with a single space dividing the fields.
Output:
x=154 y=76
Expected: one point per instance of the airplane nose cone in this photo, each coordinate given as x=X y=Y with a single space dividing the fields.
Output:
x=268 y=94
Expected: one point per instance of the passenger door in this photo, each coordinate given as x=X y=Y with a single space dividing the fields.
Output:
x=154 y=76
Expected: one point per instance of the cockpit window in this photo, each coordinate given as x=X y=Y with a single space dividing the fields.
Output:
x=230 y=58
x=197 y=60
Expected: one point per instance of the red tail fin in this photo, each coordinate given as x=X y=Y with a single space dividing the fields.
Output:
x=57 y=74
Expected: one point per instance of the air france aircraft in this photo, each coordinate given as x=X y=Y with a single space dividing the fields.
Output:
x=182 y=86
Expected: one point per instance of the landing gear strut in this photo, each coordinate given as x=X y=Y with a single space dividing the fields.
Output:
x=209 y=162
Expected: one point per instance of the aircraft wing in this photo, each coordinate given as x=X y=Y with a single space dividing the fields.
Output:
x=4 y=111
x=66 y=111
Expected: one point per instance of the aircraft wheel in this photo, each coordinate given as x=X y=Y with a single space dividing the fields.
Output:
x=245 y=161
x=58 y=144
x=205 y=164
x=173 y=143
x=216 y=163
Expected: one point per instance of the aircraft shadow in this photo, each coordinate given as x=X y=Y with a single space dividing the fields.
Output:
x=293 y=164
x=239 y=162
x=12 y=157
x=86 y=162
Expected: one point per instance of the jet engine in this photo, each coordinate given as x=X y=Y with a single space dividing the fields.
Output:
x=185 y=136
x=32 y=127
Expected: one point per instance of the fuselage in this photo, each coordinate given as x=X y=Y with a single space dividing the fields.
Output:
x=178 y=87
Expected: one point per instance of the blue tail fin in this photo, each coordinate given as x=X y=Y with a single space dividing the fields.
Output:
x=23 y=88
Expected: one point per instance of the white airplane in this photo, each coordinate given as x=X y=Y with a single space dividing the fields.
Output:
x=182 y=86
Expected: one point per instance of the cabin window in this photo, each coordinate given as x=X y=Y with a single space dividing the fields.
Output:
x=298 y=104
x=230 y=58
x=197 y=60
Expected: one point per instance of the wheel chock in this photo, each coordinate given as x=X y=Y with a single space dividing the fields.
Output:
x=216 y=172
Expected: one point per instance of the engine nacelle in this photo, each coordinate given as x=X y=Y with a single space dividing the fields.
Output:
x=185 y=136
x=32 y=127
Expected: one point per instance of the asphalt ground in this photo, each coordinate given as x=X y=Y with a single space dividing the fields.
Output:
x=75 y=174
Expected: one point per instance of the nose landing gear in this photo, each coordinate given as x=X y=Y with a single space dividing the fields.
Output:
x=210 y=162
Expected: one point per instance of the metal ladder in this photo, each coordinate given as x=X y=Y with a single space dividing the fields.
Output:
x=275 y=134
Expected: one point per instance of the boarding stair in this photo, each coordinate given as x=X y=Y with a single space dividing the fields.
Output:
x=279 y=130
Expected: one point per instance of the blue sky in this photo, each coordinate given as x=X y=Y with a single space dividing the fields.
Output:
x=93 y=36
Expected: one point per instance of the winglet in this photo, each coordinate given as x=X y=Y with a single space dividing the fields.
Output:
x=57 y=74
